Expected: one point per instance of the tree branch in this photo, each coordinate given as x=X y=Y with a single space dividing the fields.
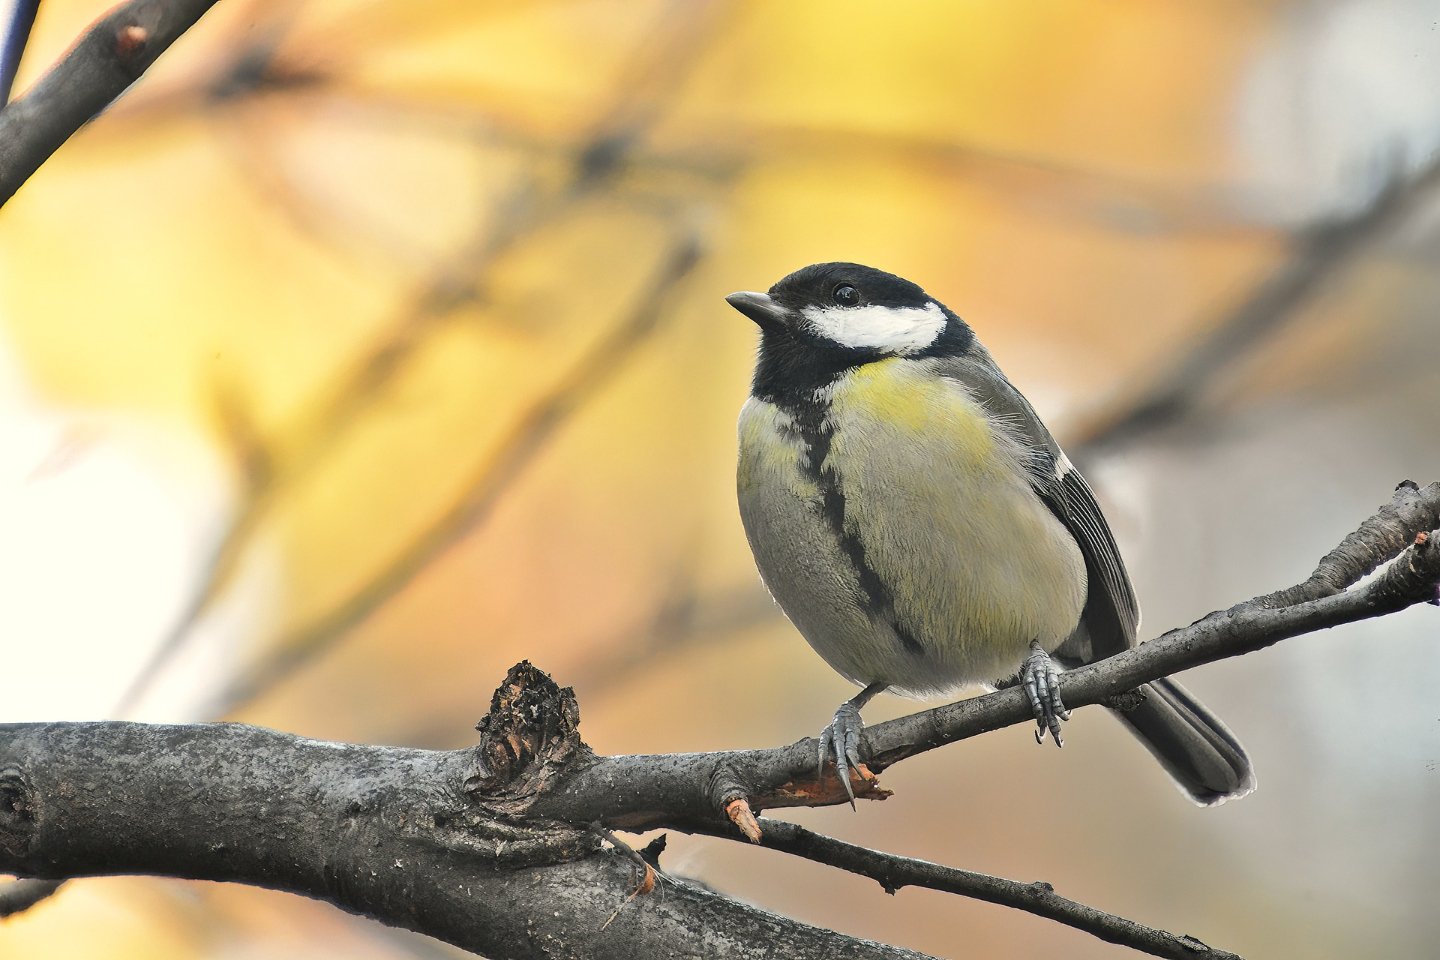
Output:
x=386 y=832
x=893 y=872
x=475 y=846
x=692 y=791
x=109 y=57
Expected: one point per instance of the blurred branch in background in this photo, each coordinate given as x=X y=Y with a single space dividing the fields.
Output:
x=532 y=430
x=1318 y=257
x=643 y=90
x=356 y=392
x=109 y=57
x=12 y=45
x=1041 y=186
x=686 y=617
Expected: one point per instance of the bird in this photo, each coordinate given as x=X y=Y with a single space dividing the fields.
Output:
x=923 y=531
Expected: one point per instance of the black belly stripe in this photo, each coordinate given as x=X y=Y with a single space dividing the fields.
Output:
x=816 y=435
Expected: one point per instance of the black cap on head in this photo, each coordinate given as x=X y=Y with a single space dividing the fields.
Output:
x=817 y=285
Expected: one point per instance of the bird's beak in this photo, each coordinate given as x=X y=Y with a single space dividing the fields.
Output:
x=761 y=308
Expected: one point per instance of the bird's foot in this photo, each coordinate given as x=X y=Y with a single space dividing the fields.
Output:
x=1042 y=688
x=842 y=740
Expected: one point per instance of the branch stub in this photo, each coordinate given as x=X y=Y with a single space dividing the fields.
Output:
x=528 y=740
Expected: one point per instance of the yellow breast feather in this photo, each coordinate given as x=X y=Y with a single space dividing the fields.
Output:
x=898 y=394
x=978 y=566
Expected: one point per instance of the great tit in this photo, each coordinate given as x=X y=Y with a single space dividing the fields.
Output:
x=921 y=528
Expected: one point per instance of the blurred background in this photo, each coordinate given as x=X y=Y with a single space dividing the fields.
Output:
x=366 y=348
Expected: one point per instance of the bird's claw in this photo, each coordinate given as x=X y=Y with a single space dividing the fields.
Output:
x=842 y=739
x=1042 y=688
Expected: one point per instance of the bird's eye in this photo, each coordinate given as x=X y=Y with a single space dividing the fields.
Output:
x=846 y=295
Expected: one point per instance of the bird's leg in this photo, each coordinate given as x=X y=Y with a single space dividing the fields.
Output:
x=1042 y=688
x=843 y=737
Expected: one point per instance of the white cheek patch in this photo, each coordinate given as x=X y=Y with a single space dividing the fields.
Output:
x=894 y=329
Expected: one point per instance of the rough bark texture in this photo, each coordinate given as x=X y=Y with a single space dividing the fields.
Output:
x=386 y=832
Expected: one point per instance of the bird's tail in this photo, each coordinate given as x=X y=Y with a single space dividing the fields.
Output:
x=1205 y=759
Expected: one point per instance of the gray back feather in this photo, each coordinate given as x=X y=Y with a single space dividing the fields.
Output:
x=1112 y=615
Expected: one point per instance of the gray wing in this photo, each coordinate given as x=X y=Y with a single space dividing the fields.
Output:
x=1112 y=616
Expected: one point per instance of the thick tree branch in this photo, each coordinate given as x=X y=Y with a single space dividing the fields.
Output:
x=478 y=802
x=469 y=845
x=388 y=833
x=109 y=57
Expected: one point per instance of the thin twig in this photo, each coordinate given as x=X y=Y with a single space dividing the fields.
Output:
x=1394 y=527
x=106 y=59
x=649 y=872
x=893 y=872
